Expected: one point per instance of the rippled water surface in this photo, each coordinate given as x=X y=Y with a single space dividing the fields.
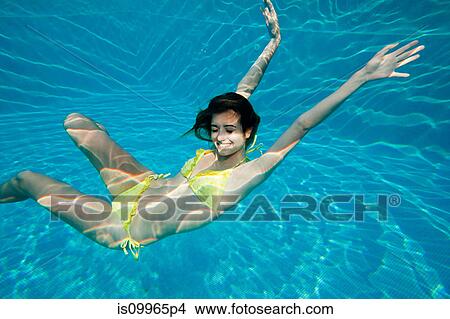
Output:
x=144 y=68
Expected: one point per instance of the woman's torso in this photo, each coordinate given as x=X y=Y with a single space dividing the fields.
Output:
x=170 y=206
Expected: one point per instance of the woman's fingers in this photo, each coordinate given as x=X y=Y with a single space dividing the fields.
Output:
x=270 y=10
x=399 y=75
x=410 y=52
x=386 y=49
x=405 y=47
x=406 y=61
x=270 y=5
x=264 y=13
x=271 y=18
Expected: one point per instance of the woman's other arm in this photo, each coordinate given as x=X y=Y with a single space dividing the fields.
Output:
x=251 y=80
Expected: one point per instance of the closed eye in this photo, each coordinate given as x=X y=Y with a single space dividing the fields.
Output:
x=216 y=130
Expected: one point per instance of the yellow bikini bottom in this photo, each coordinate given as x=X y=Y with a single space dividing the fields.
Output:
x=134 y=193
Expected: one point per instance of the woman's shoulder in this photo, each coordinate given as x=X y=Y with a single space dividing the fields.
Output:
x=190 y=164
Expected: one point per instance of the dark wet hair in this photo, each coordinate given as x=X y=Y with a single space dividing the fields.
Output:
x=220 y=104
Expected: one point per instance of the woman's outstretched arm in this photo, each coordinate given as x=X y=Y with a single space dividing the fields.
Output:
x=382 y=65
x=251 y=80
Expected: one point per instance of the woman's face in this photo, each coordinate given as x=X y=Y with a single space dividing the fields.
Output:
x=227 y=134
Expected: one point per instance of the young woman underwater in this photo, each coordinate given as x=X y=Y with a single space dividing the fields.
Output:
x=133 y=218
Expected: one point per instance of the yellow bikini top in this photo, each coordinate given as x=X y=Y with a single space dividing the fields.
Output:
x=209 y=185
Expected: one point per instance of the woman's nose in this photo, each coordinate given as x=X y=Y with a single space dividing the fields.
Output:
x=220 y=136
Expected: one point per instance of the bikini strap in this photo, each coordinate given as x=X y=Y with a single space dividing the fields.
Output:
x=253 y=148
x=133 y=245
x=190 y=165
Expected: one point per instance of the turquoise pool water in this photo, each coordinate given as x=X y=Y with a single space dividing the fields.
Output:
x=144 y=69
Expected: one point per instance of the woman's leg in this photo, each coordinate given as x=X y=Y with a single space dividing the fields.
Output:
x=89 y=215
x=118 y=169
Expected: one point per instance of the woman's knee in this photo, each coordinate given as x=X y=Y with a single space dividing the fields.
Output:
x=80 y=121
x=23 y=176
x=73 y=119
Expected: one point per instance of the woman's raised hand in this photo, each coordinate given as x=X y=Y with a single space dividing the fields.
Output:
x=383 y=64
x=271 y=19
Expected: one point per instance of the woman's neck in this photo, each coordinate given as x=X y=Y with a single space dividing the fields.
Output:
x=226 y=162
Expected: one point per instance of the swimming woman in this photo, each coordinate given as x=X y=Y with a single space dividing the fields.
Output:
x=138 y=214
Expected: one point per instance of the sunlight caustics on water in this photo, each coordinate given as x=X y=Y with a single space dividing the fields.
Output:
x=144 y=68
